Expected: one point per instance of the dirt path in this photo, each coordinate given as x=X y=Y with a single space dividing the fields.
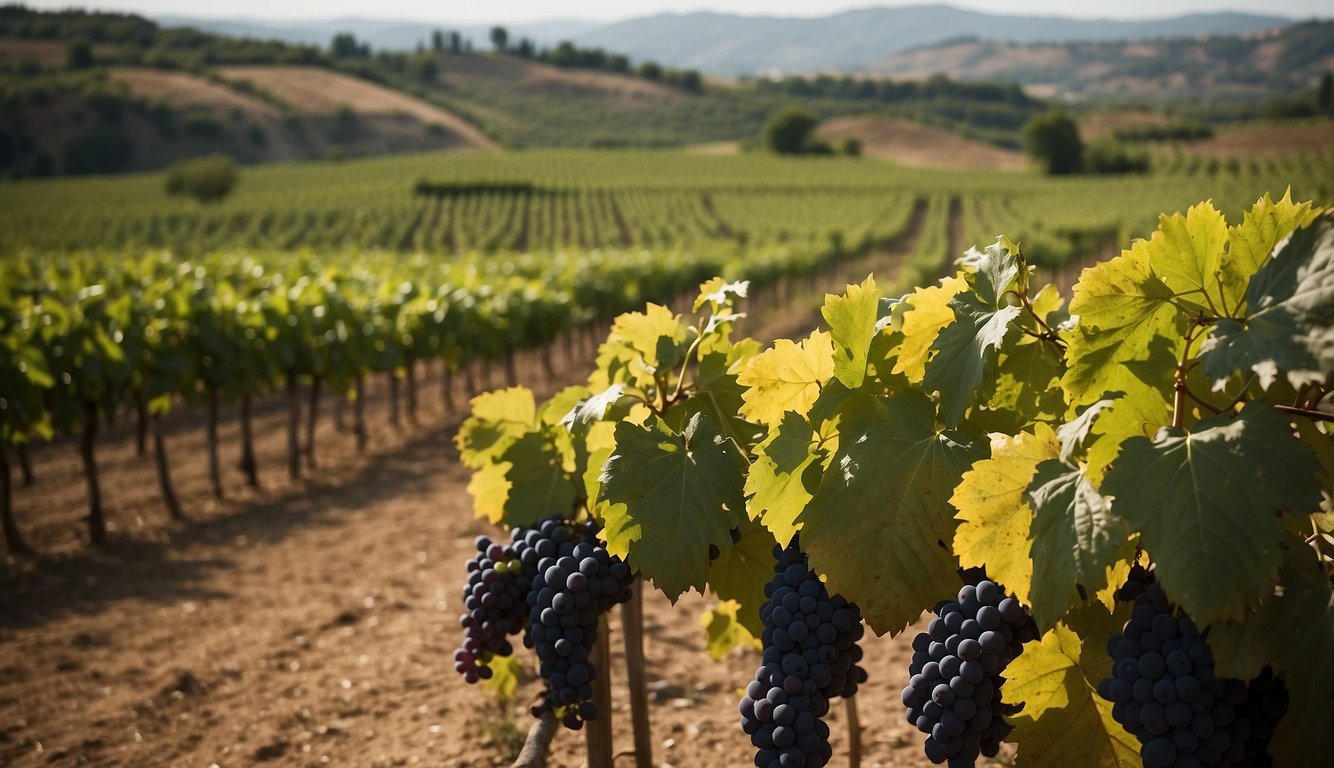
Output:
x=313 y=623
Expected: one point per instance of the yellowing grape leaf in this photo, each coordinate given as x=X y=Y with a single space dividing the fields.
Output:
x=993 y=512
x=880 y=523
x=669 y=497
x=497 y=419
x=725 y=631
x=993 y=270
x=1290 y=326
x=1187 y=252
x=930 y=312
x=1251 y=243
x=506 y=673
x=776 y=489
x=1064 y=721
x=1075 y=538
x=740 y=573
x=852 y=321
x=719 y=294
x=786 y=378
x=1207 y=505
x=964 y=351
x=1128 y=333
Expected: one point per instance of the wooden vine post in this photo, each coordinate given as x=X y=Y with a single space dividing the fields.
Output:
x=599 y=729
x=632 y=627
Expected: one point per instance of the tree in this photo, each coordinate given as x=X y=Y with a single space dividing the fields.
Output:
x=1052 y=139
x=80 y=56
x=1324 y=94
x=345 y=46
x=455 y=42
x=789 y=131
x=206 y=179
x=650 y=70
x=500 y=39
x=437 y=41
x=850 y=146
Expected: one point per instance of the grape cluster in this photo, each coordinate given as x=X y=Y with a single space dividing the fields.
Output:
x=1163 y=689
x=953 y=694
x=810 y=656
x=496 y=597
x=576 y=581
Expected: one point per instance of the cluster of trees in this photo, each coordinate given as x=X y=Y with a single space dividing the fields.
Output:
x=1316 y=102
x=570 y=56
x=206 y=179
x=1052 y=140
x=792 y=132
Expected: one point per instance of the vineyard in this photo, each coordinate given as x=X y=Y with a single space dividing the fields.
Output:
x=857 y=474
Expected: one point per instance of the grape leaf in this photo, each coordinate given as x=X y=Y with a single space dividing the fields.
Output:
x=497 y=419
x=1206 y=505
x=1064 y=721
x=995 y=269
x=1186 y=251
x=740 y=573
x=540 y=479
x=786 y=378
x=719 y=294
x=880 y=524
x=725 y=631
x=964 y=350
x=993 y=512
x=506 y=672
x=1290 y=327
x=930 y=313
x=1251 y=243
x=1075 y=538
x=1073 y=433
x=670 y=497
x=775 y=487
x=1025 y=388
x=611 y=403
x=852 y=324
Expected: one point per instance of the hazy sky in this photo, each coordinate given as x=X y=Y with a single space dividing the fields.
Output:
x=530 y=10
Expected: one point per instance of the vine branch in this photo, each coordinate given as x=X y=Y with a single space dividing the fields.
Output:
x=538 y=743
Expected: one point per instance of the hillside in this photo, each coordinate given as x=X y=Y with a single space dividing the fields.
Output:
x=1235 y=68
x=855 y=40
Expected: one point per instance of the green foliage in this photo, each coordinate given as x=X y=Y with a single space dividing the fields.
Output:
x=1112 y=157
x=206 y=179
x=79 y=55
x=103 y=149
x=1052 y=140
x=789 y=131
x=850 y=146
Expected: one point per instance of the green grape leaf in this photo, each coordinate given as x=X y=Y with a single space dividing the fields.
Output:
x=995 y=270
x=725 y=631
x=929 y=313
x=540 y=480
x=740 y=573
x=1025 y=388
x=1064 y=721
x=1073 y=433
x=993 y=512
x=776 y=487
x=1186 y=251
x=506 y=674
x=1251 y=243
x=1215 y=490
x=964 y=351
x=880 y=523
x=1290 y=327
x=497 y=419
x=670 y=497
x=611 y=403
x=852 y=321
x=1075 y=538
x=786 y=378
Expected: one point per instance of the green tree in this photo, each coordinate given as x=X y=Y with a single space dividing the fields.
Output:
x=1052 y=139
x=850 y=146
x=1324 y=94
x=650 y=70
x=80 y=56
x=500 y=39
x=789 y=131
x=437 y=41
x=206 y=179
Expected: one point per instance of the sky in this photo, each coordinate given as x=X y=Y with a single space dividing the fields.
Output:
x=515 y=11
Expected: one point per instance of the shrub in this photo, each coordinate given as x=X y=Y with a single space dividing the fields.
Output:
x=1052 y=139
x=1111 y=157
x=850 y=146
x=789 y=131
x=206 y=179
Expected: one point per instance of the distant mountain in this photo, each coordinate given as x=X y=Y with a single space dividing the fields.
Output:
x=852 y=41
x=382 y=34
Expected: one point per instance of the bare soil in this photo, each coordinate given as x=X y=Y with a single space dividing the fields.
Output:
x=313 y=622
x=920 y=145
